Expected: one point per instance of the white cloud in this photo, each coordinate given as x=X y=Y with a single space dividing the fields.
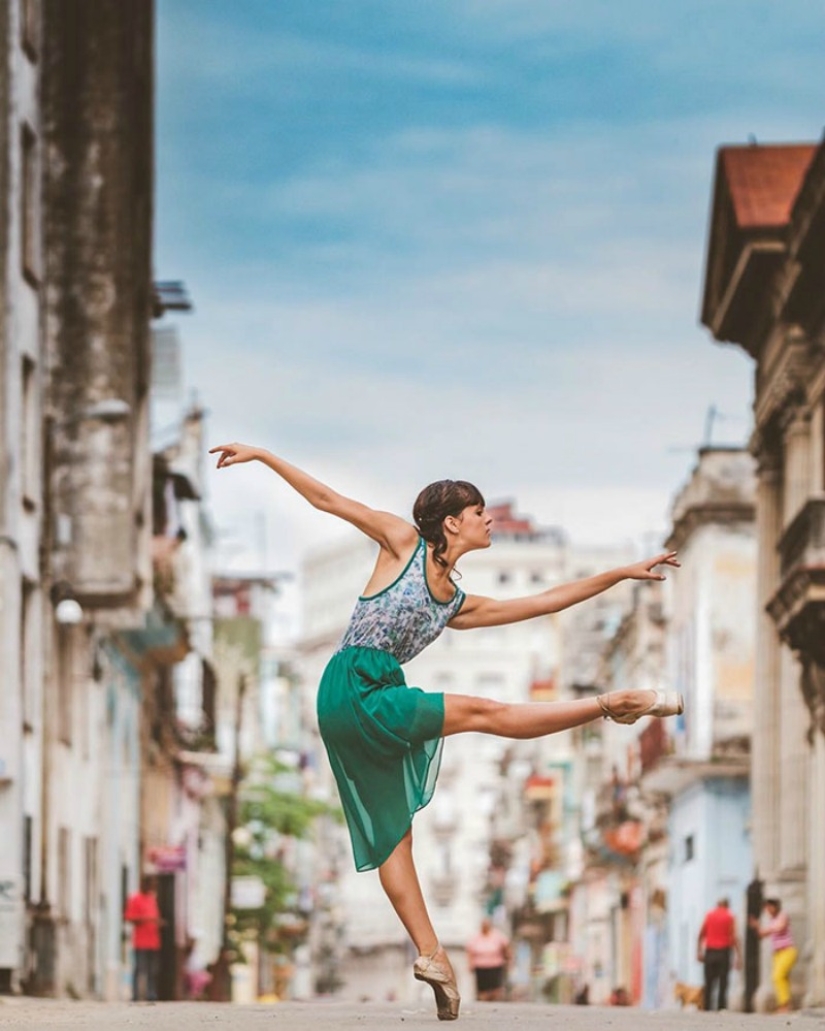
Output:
x=491 y=303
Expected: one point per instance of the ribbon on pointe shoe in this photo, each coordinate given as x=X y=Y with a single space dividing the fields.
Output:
x=442 y=981
x=665 y=703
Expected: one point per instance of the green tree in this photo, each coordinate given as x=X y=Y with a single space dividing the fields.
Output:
x=270 y=810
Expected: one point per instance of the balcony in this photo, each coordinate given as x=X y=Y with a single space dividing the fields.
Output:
x=798 y=606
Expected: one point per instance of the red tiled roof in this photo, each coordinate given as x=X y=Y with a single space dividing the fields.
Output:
x=504 y=521
x=765 y=180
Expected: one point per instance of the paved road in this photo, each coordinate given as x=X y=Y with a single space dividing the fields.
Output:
x=329 y=1016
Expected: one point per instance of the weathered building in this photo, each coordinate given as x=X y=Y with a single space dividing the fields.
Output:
x=704 y=775
x=24 y=606
x=89 y=635
x=665 y=804
x=96 y=293
x=764 y=291
x=544 y=785
x=183 y=775
x=76 y=178
x=621 y=866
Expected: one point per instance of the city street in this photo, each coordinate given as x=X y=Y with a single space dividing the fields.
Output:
x=49 y=1014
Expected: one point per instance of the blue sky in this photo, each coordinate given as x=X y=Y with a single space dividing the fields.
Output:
x=463 y=238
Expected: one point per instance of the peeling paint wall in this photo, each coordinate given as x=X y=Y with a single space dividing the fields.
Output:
x=98 y=192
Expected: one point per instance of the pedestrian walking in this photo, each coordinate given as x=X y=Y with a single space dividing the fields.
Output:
x=383 y=738
x=143 y=914
x=717 y=940
x=778 y=929
x=488 y=957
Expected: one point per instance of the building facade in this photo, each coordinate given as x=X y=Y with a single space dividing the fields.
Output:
x=763 y=292
x=665 y=813
x=76 y=157
x=100 y=598
x=711 y=644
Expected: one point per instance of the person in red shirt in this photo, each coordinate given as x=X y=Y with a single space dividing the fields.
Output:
x=717 y=938
x=143 y=914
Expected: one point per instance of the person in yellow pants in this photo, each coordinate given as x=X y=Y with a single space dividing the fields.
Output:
x=778 y=929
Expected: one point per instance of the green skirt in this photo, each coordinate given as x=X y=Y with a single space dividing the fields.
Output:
x=384 y=744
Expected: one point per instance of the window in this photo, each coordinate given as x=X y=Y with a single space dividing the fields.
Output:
x=64 y=873
x=30 y=206
x=504 y=577
x=65 y=682
x=690 y=848
x=90 y=886
x=27 y=858
x=27 y=589
x=28 y=435
x=30 y=27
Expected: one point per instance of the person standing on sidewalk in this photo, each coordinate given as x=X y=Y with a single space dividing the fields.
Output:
x=143 y=914
x=717 y=939
x=488 y=956
x=383 y=737
x=778 y=929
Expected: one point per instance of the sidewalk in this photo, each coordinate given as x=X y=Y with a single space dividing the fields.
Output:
x=329 y=1016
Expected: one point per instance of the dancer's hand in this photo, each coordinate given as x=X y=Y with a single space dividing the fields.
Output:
x=644 y=570
x=234 y=454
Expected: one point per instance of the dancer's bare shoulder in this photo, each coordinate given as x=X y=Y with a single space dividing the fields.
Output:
x=392 y=559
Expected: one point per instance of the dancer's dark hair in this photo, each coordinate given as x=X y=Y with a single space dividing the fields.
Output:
x=436 y=502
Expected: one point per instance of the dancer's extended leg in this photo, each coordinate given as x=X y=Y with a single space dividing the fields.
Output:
x=532 y=719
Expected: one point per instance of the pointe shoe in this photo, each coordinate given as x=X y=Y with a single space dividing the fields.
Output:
x=665 y=703
x=440 y=977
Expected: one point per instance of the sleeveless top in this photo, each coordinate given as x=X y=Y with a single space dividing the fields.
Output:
x=403 y=618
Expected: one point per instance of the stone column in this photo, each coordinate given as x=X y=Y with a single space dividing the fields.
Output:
x=815 y=995
x=766 y=723
x=797 y=460
x=794 y=771
x=816 y=848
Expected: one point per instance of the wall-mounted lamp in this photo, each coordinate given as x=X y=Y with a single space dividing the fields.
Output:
x=67 y=609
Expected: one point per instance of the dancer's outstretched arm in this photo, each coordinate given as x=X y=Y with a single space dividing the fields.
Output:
x=394 y=534
x=480 y=611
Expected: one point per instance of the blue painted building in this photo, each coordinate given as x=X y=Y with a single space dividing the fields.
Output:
x=710 y=858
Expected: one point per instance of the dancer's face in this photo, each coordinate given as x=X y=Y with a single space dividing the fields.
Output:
x=475 y=524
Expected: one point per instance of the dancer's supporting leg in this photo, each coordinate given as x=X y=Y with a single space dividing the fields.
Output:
x=532 y=719
x=400 y=883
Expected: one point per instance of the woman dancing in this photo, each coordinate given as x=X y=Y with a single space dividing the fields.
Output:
x=384 y=738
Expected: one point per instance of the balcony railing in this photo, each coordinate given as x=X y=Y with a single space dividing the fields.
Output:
x=802 y=545
x=798 y=606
